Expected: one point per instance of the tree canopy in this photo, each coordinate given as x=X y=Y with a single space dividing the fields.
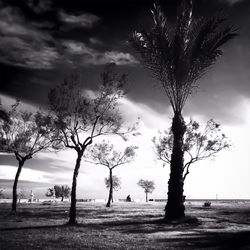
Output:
x=26 y=133
x=59 y=191
x=104 y=153
x=148 y=186
x=90 y=113
x=200 y=143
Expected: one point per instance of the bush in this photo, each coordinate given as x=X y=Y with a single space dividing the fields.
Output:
x=207 y=204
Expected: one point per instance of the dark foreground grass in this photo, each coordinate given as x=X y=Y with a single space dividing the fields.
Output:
x=124 y=226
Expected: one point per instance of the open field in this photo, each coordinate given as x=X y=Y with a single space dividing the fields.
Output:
x=225 y=225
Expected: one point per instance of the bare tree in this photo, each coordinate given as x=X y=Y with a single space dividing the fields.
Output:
x=105 y=155
x=82 y=117
x=116 y=184
x=59 y=191
x=200 y=143
x=25 y=134
x=178 y=55
x=148 y=186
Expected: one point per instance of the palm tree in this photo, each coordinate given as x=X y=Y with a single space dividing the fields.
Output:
x=178 y=55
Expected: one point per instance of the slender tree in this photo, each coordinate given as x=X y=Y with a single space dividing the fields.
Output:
x=178 y=55
x=148 y=186
x=82 y=116
x=105 y=155
x=59 y=191
x=116 y=184
x=200 y=143
x=24 y=134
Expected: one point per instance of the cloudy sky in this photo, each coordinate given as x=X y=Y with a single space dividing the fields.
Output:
x=41 y=42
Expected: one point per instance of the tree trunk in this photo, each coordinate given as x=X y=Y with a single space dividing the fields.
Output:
x=72 y=211
x=175 y=205
x=146 y=196
x=62 y=198
x=14 y=192
x=110 y=188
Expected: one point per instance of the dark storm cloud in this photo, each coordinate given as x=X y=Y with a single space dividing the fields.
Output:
x=41 y=39
x=52 y=38
x=23 y=45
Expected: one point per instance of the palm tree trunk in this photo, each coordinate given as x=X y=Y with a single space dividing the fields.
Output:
x=72 y=211
x=110 y=188
x=146 y=196
x=14 y=191
x=175 y=205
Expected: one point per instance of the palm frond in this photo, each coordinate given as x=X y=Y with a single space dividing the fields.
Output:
x=179 y=56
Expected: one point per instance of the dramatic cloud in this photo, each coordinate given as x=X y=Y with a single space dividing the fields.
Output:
x=25 y=54
x=95 y=57
x=233 y=1
x=83 y=20
x=21 y=44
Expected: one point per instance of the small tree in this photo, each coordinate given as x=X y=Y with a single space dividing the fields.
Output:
x=21 y=195
x=81 y=117
x=200 y=143
x=24 y=134
x=59 y=191
x=148 y=186
x=105 y=155
x=116 y=183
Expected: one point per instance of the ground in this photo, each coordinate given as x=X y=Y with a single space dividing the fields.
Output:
x=225 y=225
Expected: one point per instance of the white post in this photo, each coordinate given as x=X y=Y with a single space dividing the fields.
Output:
x=31 y=196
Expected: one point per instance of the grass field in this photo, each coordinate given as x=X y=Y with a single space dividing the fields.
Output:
x=124 y=226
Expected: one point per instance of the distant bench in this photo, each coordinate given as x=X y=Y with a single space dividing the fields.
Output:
x=85 y=200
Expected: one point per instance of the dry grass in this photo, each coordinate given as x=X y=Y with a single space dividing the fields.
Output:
x=124 y=226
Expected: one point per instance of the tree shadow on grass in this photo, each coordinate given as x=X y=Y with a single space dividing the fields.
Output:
x=87 y=225
x=127 y=226
x=211 y=240
x=149 y=226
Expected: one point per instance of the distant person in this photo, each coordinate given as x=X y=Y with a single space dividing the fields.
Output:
x=128 y=198
x=184 y=198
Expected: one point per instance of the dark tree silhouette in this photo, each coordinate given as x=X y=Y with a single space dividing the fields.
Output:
x=178 y=55
x=116 y=183
x=59 y=191
x=25 y=134
x=105 y=155
x=81 y=117
x=200 y=143
x=148 y=186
